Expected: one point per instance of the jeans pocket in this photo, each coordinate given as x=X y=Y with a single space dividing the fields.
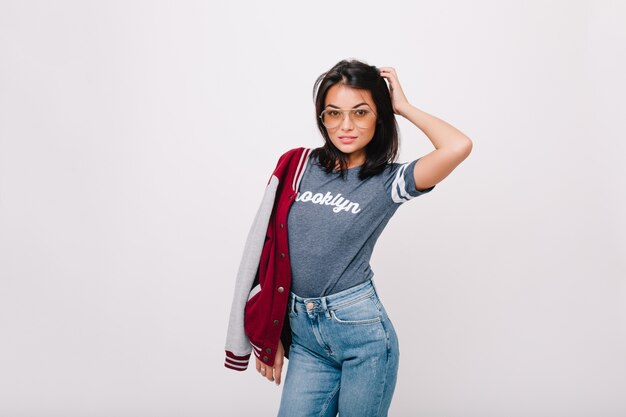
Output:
x=364 y=311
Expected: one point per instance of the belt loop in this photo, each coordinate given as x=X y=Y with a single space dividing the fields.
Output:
x=292 y=304
x=374 y=286
x=325 y=307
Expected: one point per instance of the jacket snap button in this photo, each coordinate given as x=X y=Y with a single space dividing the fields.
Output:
x=282 y=226
x=276 y=322
x=268 y=350
x=265 y=359
x=282 y=254
x=281 y=289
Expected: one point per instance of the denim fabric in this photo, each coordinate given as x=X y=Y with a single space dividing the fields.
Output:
x=344 y=356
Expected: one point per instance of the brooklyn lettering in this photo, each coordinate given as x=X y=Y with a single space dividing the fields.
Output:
x=339 y=203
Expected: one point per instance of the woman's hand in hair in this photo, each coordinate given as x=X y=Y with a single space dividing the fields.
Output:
x=273 y=373
x=398 y=99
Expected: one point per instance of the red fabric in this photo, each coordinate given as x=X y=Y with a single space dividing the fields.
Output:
x=237 y=363
x=265 y=312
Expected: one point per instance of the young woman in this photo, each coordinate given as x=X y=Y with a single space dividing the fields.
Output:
x=325 y=212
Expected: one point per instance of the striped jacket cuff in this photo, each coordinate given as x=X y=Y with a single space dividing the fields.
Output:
x=237 y=363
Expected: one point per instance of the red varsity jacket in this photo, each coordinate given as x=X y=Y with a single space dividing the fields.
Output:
x=258 y=317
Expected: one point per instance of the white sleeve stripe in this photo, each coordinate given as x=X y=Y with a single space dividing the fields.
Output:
x=295 y=177
x=301 y=174
x=242 y=366
x=236 y=361
x=399 y=185
x=299 y=170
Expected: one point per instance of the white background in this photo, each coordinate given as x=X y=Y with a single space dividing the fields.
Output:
x=136 y=139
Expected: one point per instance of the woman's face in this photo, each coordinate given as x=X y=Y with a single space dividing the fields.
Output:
x=355 y=125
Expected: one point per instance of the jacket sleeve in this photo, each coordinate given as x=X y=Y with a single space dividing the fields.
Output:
x=238 y=347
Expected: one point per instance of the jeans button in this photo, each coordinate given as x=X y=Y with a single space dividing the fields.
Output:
x=310 y=306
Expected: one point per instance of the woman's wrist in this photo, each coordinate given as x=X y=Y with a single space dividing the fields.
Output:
x=404 y=109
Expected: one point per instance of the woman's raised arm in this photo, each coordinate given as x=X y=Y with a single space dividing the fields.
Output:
x=451 y=145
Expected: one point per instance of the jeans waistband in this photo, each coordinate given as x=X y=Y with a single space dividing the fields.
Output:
x=325 y=303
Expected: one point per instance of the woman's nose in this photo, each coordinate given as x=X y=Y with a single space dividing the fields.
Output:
x=346 y=122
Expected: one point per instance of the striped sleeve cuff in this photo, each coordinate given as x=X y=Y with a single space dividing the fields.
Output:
x=403 y=186
x=237 y=363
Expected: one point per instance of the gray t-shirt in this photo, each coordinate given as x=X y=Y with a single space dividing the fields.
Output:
x=335 y=222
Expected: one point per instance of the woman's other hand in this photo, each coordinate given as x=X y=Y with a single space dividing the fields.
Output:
x=398 y=99
x=273 y=373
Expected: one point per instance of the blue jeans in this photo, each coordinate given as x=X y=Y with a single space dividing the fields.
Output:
x=343 y=358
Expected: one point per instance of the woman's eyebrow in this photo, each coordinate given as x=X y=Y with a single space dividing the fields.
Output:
x=354 y=107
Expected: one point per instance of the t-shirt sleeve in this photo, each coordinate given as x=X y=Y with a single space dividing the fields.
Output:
x=400 y=183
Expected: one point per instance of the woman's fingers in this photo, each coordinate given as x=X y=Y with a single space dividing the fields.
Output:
x=398 y=98
x=390 y=74
x=278 y=369
x=279 y=360
x=267 y=371
x=387 y=70
x=264 y=370
x=392 y=77
x=273 y=373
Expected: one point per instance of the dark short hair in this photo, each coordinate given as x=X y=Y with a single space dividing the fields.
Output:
x=383 y=148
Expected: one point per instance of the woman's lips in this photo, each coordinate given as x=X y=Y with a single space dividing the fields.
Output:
x=346 y=140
